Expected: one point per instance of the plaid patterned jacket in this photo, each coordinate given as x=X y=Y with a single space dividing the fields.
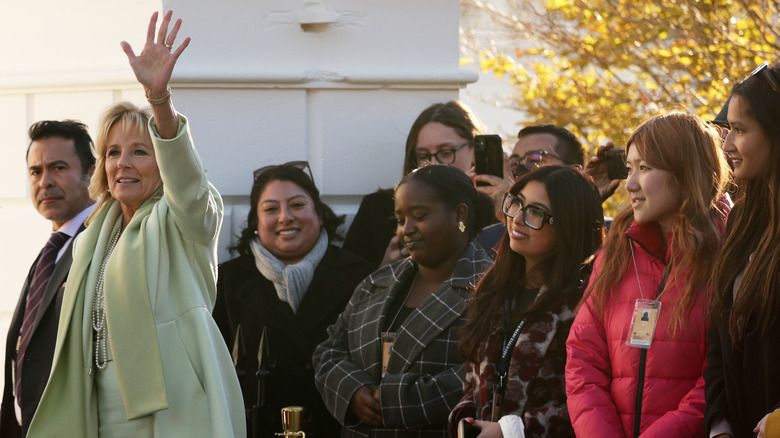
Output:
x=424 y=374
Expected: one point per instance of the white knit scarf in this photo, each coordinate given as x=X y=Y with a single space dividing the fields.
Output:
x=290 y=281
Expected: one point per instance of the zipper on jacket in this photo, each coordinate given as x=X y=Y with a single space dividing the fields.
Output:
x=640 y=387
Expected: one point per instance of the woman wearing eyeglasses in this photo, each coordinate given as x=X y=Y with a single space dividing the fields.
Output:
x=522 y=309
x=742 y=377
x=390 y=366
x=441 y=134
x=637 y=347
x=277 y=298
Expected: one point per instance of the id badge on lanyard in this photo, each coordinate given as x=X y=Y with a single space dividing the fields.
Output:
x=645 y=317
x=388 y=339
x=643 y=323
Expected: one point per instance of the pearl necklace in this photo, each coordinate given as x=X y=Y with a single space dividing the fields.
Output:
x=99 y=307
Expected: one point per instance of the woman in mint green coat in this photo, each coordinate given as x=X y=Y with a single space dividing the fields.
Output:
x=137 y=351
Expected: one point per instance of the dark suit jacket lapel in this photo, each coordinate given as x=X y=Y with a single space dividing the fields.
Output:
x=259 y=295
x=18 y=317
x=321 y=300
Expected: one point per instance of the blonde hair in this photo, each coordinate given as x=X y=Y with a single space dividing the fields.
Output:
x=130 y=116
x=690 y=150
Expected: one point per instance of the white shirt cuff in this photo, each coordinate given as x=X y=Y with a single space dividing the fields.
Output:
x=512 y=426
x=720 y=426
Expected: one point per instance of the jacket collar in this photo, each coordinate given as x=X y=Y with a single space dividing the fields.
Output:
x=471 y=264
x=259 y=294
x=649 y=237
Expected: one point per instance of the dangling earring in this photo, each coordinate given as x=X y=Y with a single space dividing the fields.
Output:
x=461 y=227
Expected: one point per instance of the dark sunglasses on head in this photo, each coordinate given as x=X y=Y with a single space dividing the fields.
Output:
x=300 y=165
x=764 y=71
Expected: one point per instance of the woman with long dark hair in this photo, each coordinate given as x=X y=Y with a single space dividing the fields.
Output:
x=519 y=318
x=441 y=134
x=743 y=382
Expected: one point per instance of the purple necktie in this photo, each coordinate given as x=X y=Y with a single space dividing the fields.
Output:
x=41 y=277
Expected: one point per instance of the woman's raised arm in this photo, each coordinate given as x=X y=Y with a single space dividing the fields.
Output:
x=153 y=68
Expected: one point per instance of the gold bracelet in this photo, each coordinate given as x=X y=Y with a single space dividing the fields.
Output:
x=159 y=100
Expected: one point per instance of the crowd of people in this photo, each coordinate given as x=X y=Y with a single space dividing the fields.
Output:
x=459 y=305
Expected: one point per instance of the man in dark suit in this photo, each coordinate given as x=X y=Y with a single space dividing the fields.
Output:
x=59 y=165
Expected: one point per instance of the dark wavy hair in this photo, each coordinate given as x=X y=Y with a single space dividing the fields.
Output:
x=579 y=226
x=453 y=187
x=453 y=114
x=69 y=130
x=330 y=221
x=753 y=227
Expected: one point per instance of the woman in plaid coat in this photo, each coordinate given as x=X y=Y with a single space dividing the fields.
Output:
x=390 y=366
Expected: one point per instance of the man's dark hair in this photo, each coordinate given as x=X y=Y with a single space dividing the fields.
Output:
x=69 y=130
x=568 y=146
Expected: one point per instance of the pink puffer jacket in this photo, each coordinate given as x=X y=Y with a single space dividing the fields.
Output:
x=602 y=371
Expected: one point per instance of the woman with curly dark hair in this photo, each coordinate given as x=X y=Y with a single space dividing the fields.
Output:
x=275 y=300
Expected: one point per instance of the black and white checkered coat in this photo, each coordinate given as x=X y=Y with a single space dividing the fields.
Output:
x=424 y=373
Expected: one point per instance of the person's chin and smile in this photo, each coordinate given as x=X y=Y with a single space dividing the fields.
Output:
x=290 y=240
x=133 y=191
x=131 y=167
x=288 y=223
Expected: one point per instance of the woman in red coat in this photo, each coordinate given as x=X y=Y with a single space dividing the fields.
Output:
x=637 y=348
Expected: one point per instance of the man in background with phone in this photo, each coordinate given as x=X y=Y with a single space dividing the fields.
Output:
x=537 y=145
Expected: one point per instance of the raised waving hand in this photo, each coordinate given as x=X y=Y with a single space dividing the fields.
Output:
x=153 y=68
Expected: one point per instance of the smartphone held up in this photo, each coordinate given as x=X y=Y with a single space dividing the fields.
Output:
x=615 y=159
x=488 y=156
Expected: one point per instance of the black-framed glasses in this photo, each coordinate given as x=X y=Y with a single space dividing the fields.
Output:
x=300 y=165
x=532 y=159
x=533 y=216
x=763 y=70
x=444 y=156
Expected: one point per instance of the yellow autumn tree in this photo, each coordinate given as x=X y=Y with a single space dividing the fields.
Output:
x=601 y=67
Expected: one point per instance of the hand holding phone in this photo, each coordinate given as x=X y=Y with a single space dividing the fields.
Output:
x=488 y=155
x=607 y=182
x=616 y=163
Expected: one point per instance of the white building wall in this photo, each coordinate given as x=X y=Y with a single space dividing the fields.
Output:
x=258 y=89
